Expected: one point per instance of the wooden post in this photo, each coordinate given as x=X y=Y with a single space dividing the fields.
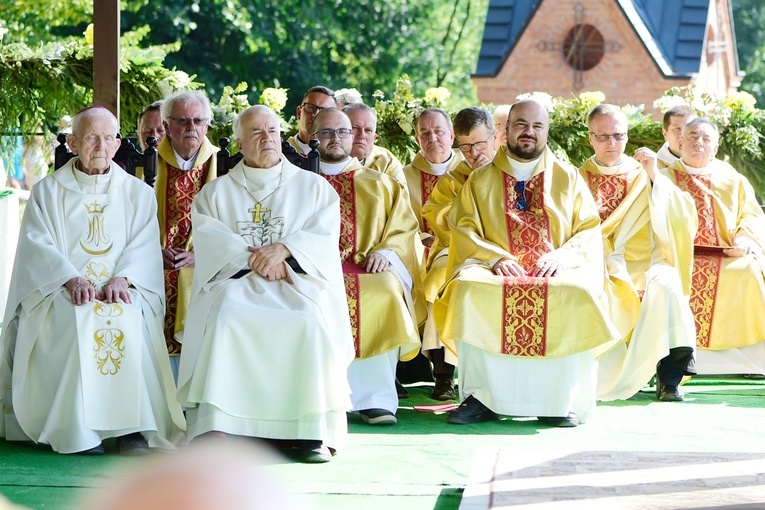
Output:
x=106 y=55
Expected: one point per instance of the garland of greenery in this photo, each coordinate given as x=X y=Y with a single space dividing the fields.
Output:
x=41 y=85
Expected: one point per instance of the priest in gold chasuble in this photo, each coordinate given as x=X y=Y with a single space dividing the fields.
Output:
x=186 y=162
x=648 y=227
x=383 y=282
x=364 y=124
x=524 y=307
x=83 y=356
x=728 y=288
x=435 y=136
x=473 y=129
x=267 y=341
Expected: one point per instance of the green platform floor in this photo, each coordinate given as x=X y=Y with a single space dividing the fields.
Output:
x=424 y=463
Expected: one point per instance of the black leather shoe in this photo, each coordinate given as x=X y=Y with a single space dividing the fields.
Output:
x=314 y=452
x=668 y=393
x=560 y=421
x=401 y=391
x=96 y=450
x=471 y=411
x=132 y=445
x=443 y=390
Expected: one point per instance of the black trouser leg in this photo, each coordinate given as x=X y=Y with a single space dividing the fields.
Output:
x=672 y=368
x=441 y=369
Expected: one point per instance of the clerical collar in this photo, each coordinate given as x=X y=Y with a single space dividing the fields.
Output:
x=694 y=170
x=304 y=147
x=334 y=168
x=522 y=170
x=608 y=170
x=185 y=164
x=666 y=155
x=440 y=168
x=94 y=184
x=262 y=174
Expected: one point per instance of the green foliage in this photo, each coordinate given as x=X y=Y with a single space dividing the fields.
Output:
x=749 y=19
x=364 y=44
x=41 y=84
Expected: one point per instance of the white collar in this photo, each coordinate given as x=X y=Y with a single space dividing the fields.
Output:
x=334 y=168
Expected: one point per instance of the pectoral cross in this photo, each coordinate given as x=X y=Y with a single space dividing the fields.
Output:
x=257 y=211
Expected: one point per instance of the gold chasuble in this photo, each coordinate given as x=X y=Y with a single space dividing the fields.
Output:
x=435 y=214
x=421 y=180
x=622 y=201
x=728 y=293
x=175 y=190
x=383 y=160
x=551 y=216
x=376 y=217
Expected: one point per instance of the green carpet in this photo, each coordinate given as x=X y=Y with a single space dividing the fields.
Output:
x=424 y=463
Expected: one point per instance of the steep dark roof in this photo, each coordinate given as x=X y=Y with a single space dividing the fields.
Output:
x=672 y=31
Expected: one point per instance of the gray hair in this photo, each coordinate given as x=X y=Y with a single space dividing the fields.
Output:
x=258 y=108
x=428 y=111
x=186 y=96
x=363 y=107
x=701 y=120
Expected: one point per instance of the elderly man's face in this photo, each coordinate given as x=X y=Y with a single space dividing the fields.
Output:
x=476 y=143
x=187 y=127
x=259 y=143
x=614 y=129
x=95 y=142
x=313 y=103
x=674 y=132
x=698 y=145
x=527 y=128
x=364 y=132
x=329 y=128
x=150 y=125
x=435 y=137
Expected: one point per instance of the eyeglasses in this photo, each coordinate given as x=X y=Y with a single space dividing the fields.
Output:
x=479 y=146
x=185 y=121
x=311 y=108
x=604 y=138
x=520 y=196
x=328 y=134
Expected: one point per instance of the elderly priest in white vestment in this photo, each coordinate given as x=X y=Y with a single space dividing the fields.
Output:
x=267 y=341
x=84 y=357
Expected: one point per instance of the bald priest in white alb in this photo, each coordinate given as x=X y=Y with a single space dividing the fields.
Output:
x=84 y=357
x=268 y=340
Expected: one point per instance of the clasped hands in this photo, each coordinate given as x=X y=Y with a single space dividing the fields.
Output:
x=269 y=261
x=509 y=267
x=176 y=258
x=83 y=291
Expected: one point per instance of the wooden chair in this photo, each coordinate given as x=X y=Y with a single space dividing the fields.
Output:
x=127 y=156
x=226 y=161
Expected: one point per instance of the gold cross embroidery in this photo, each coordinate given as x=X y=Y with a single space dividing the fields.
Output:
x=256 y=212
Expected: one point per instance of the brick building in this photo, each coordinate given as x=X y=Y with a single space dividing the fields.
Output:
x=632 y=50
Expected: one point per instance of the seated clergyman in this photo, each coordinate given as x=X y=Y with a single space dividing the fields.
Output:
x=524 y=307
x=727 y=286
x=378 y=247
x=267 y=340
x=84 y=357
